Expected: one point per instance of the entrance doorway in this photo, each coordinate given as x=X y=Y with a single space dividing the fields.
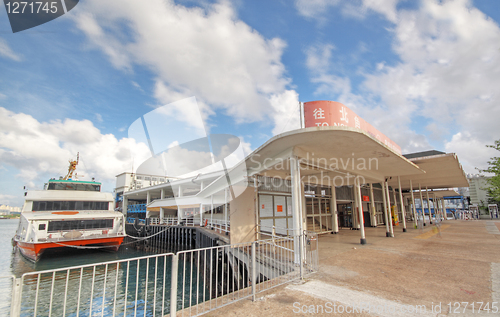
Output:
x=318 y=213
x=379 y=211
x=345 y=215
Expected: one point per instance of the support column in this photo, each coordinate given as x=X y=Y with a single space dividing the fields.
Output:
x=225 y=208
x=437 y=211
x=302 y=202
x=148 y=200
x=360 y=212
x=201 y=215
x=422 y=204
x=438 y=206
x=373 y=216
x=441 y=209
x=444 y=208
x=395 y=202
x=413 y=205
x=355 y=220
x=179 y=210
x=387 y=230
x=162 y=211
x=211 y=211
x=297 y=207
x=125 y=206
x=389 y=207
x=333 y=208
x=428 y=204
x=201 y=206
x=403 y=210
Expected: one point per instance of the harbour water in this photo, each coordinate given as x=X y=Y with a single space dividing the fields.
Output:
x=100 y=289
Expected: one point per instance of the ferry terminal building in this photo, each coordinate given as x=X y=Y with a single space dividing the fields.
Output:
x=336 y=172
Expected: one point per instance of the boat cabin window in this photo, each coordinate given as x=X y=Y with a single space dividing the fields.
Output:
x=69 y=205
x=41 y=227
x=74 y=186
x=67 y=225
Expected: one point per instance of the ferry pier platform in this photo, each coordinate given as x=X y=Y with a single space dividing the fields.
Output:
x=441 y=271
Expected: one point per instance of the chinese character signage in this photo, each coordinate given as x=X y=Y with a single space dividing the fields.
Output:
x=330 y=113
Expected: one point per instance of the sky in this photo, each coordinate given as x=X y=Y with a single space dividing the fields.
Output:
x=425 y=73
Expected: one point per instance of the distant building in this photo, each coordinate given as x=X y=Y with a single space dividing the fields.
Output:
x=477 y=189
x=7 y=210
x=131 y=181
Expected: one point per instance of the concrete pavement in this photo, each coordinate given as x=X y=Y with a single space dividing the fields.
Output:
x=439 y=271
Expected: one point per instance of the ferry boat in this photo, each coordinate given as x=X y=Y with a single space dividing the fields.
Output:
x=68 y=213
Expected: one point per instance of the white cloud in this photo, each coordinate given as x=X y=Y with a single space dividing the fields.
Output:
x=7 y=52
x=8 y=200
x=385 y=7
x=450 y=70
x=37 y=148
x=136 y=85
x=186 y=160
x=203 y=52
x=446 y=81
x=392 y=121
x=355 y=8
x=287 y=111
x=472 y=153
x=312 y=8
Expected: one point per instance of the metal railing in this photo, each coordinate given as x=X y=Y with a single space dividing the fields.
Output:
x=83 y=237
x=123 y=287
x=168 y=221
x=131 y=220
x=8 y=297
x=137 y=208
x=189 y=222
x=220 y=225
x=197 y=281
x=274 y=231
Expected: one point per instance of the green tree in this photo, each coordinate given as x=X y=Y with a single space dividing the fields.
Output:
x=493 y=188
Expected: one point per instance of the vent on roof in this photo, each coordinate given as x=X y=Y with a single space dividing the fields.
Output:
x=423 y=154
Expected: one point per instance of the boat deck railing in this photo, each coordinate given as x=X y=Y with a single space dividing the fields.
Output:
x=83 y=237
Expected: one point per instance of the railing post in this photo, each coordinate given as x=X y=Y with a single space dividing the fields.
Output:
x=254 y=270
x=15 y=305
x=173 y=286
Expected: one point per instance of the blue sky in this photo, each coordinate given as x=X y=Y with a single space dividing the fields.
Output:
x=426 y=73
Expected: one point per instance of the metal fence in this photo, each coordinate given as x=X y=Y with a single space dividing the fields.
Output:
x=7 y=283
x=197 y=281
x=219 y=225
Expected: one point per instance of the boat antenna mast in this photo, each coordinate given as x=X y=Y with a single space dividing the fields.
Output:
x=72 y=167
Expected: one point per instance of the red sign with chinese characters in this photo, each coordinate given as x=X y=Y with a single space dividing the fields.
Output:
x=331 y=113
x=279 y=208
x=366 y=198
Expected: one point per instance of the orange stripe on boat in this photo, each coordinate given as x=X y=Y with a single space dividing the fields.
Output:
x=65 y=212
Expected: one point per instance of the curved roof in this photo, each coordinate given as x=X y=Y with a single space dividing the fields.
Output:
x=330 y=152
x=442 y=171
